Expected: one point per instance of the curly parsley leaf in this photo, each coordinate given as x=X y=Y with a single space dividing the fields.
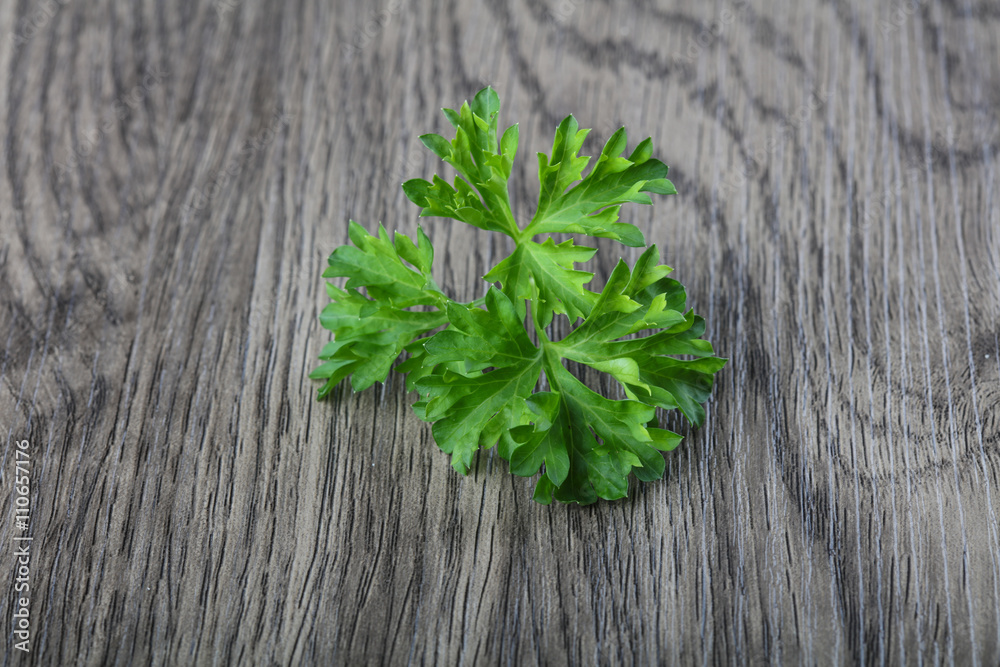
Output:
x=479 y=194
x=486 y=372
x=605 y=440
x=602 y=440
x=591 y=206
x=548 y=270
x=472 y=409
x=372 y=330
x=646 y=367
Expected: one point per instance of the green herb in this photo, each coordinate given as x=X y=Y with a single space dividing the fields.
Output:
x=476 y=366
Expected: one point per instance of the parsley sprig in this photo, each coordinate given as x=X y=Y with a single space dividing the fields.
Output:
x=476 y=366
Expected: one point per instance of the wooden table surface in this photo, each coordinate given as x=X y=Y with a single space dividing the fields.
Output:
x=174 y=175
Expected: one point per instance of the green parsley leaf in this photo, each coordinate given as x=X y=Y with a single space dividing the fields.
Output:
x=547 y=268
x=486 y=372
x=479 y=196
x=602 y=440
x=371 y=331
x=473 y=409
x=577 y=417
x=591 y=206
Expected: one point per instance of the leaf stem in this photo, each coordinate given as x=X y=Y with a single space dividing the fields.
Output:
x=543 y=340
x=474 y=304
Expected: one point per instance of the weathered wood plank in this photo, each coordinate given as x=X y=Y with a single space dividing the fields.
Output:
x=174 y=175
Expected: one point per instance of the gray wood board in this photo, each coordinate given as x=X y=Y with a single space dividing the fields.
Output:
x=174 y=176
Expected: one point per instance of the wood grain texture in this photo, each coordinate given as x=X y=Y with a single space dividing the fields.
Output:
x=173 y=176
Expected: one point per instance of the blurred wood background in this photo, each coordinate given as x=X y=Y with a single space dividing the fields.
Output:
x=173 y=176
